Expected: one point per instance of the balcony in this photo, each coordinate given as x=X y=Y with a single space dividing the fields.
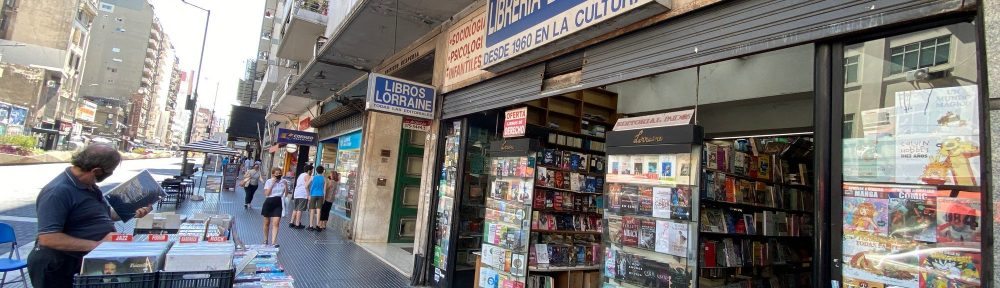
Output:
x=150 y=53
x=150 y=62
x=153 y=43
x=307 y=22
x=147 y=72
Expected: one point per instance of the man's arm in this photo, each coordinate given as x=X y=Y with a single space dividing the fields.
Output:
x=61 y=241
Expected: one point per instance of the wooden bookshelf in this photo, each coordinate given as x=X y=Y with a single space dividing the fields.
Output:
x=564 y=269
x=724 y=204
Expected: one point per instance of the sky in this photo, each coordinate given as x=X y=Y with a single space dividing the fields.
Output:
x=233 y=36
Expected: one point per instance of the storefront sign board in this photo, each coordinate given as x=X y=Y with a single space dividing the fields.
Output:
x=655 y=120
x=289 y=136
x=464 y=62
x=522 y=26
x=350 y=141
x=400 y=96
x=423 y=125
x=86 y=111
x=515 y=122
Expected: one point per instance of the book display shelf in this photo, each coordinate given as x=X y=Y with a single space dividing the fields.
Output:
x=756 y=213
x=650 y=231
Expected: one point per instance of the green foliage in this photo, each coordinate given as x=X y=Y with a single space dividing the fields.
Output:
x=22 y=141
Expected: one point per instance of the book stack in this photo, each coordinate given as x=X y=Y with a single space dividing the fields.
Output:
x=766 y=223
x=558 y=201
x=566 y=222
x=554 y=250
x=729 y=252
x=116 y=258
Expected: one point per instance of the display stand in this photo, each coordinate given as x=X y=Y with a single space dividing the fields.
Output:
x=650 y=232
x=508 y=206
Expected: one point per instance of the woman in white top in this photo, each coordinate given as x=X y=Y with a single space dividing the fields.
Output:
x=274 y=188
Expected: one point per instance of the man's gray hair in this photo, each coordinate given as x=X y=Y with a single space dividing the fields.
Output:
x=97 y=156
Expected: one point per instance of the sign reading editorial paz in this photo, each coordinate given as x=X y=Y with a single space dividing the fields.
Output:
x=514 y=27
x=401 y=97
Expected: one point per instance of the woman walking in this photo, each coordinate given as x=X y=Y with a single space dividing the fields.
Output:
x=274 y=188
x=251 y=180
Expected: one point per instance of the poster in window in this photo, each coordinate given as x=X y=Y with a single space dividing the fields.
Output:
x=939 y=130
x=880 y=259
x=866 y=209
x=958 y=220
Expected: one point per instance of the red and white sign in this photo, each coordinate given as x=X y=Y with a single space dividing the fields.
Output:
x=304 y=123
x=464 y=64
x=121 y=237
x=417 y=124
x=514 y=122
x=216 y=239
x=158 y=238
x=189 y=239
x=655 y=120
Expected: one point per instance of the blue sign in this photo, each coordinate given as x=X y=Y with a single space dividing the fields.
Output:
x=289 y=136
x=350 y=141
x=400 y=97
x=517 y=26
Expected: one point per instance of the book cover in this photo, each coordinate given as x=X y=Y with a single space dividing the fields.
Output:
x=708 y=254
x=711 y=156
x=744 y=192
x=662 y=244
x=740 y=165
x=614 y=198
x=730 y=189
x=652 y=164
x=629 y=199
x=863 y=253
x=614 y=162
x=549 y=157
x=661 y=201
x=542 y=177
x=764 y=167
x=574 y=162
x=680 y=203
x=913 y=214
x=713 y=220
x=647 y=234
x=668 y=168
x=958 y=220
x=866 y=208
x=682 y=168
x=950 y=269
x=614 y=229
x=610 y=261
x=560 y=180
x=678 y=234
x=645 y=200
x=753 y=166
x=630 y=231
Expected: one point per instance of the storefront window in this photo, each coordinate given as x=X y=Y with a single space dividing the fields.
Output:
x=446 y=196
x=911 y=161
x=348 y=156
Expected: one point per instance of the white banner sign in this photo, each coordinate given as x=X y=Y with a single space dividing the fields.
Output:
x=656 y=120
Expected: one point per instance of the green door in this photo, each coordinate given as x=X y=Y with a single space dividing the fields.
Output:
x=406 y=194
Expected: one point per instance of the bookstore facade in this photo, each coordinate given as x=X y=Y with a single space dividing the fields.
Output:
x=767 y=149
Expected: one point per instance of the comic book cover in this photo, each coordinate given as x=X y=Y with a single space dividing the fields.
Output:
x=866 y=208
x=880 y=259
x=958 y=220
x=645 y=200
x=861 y=283
x=940 y=132
x=912 y=214
x=647 y=234
x=630 y=231
x=661 y=201
x=950 y=269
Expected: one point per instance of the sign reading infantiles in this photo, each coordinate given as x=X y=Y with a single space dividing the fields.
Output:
x=655 y=120
x=401 y=97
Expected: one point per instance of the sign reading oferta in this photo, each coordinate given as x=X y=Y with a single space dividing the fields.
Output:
x=401 y=97
x=514 y=27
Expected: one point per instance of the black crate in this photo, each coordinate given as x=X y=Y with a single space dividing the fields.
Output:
x=197 y=279
x=138 y=280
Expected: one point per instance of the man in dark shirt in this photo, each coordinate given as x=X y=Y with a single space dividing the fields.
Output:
x=73 y=217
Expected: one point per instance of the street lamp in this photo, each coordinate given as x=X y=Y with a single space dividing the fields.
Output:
x=194 y=100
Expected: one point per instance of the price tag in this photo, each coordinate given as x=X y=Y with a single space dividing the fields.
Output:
x=189 y=239
x=121 y=237
x=158 y=238
x=216 y=239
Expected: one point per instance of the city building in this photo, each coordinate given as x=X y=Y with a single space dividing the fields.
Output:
x=246 y=89
x=202 y=125
x=43 y=45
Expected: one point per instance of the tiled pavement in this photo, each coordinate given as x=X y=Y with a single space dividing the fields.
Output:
x=314 y=259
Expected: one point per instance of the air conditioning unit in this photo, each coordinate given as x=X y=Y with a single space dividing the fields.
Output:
x=917 y=75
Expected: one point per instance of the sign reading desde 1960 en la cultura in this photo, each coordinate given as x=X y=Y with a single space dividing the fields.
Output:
x=518 y=26
x=400 y=97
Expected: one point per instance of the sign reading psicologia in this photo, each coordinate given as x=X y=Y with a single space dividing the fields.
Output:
x=400 y=97
x=517 y=26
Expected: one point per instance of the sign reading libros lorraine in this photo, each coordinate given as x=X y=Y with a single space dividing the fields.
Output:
x=400 y=97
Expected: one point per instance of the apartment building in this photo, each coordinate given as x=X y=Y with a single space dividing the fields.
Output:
x=43 y=45
x=247 y=87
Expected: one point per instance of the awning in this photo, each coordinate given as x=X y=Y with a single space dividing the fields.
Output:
x=364 y=41
x=340 y=112
x=209 y=146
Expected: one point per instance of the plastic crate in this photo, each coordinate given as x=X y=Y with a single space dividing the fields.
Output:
x=197 y=279
x=139 y=280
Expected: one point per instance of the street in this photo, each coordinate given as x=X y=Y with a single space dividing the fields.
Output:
x=25 y=181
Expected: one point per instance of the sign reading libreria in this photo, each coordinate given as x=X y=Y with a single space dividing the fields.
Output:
x=517 y=26
x=400 y=97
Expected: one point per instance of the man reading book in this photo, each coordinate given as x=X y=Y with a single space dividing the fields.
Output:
x=73 y=217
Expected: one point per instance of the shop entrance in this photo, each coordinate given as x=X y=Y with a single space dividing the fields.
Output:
x=406 y=194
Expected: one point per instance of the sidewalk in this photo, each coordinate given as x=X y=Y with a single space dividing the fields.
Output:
x=314 y=259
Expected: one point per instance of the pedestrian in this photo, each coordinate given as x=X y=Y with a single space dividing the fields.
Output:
x=225 y=161
x=317 y=189
x=73 y=217
x=331 y=191
x=247 y=163
x=274 y=189
x=251 y=179
x=300 y=197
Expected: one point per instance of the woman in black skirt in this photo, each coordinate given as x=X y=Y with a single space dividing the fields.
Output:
x=274 y=188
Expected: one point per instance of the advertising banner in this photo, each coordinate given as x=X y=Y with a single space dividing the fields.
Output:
x=515 y=121
x=400 y=97
x=937 y=136
x=349 y=142
x=655 y=120
x=289 y=136
x=86 y=111
x=513 y=28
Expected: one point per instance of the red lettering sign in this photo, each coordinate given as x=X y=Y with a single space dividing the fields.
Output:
x=216 y=239
x=189 y=239
x=515 y=121
x=158 y=238
x=121 y=237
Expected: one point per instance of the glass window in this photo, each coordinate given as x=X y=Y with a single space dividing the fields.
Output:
x=911 y=192
x=917 y=55
x=851 y=69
